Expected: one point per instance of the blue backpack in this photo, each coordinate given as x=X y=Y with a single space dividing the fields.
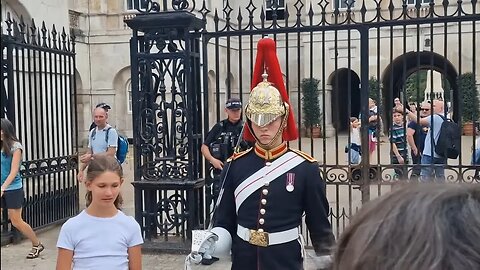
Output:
x=122 y=145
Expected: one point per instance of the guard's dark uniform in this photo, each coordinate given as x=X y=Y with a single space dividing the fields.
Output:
x=225 y=134
x=274 y=208
x=221 y=141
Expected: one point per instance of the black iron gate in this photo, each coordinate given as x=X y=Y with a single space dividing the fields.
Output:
x=38 y=97
x=413 y=50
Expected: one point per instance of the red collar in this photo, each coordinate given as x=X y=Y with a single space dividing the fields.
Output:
x=272 y=153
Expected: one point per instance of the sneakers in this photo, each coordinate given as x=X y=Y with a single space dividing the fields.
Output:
x=35 y=252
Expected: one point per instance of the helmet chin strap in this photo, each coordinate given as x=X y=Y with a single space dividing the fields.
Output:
x=279 y=133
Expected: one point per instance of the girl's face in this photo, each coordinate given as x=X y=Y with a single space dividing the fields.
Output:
x=105 y=188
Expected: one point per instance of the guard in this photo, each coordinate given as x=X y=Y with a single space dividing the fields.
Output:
x=268 y=188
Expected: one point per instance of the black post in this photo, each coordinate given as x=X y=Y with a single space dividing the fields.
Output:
x=167 y=125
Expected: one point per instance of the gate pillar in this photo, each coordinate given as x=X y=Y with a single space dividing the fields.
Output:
x=327 y=110
x=167 y=128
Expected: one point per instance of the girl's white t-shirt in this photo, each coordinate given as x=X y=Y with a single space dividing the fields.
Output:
x=100 y=243
x=355 y=136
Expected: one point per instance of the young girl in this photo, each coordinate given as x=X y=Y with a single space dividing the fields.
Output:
x=12 y=186
x=101 y=236
x=354 y=149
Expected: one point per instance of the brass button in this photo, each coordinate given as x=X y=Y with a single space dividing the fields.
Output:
x=263 y=201
x=261 y=221
x=266 y=184
x=268 y=163
x=265 y=192
x=262 y=211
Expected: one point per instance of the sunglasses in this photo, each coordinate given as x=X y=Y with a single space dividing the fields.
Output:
x=426 y=110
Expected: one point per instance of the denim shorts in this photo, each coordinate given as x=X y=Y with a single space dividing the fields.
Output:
x=13 y=199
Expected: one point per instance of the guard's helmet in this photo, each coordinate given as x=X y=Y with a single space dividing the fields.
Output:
x=269 y=99
x=265 y=103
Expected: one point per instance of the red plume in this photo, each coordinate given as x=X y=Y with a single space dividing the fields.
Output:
x=267 y=60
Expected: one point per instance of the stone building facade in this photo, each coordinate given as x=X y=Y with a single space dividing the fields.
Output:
x=103 y=60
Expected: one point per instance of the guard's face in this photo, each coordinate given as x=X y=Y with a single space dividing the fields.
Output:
x=105 y=188
x=100 y=117
x=234 y=114
x=266 y=133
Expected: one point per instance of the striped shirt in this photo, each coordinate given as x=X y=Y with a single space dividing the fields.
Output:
x=397 y=136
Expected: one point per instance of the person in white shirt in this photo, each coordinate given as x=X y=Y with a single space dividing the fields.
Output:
x=354 y=150
x=101 y=236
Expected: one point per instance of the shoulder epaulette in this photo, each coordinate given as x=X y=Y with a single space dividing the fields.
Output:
x=238 y=155
x=304 y=155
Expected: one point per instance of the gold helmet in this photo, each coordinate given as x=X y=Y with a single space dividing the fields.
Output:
x=265 y=103
x=269 y=98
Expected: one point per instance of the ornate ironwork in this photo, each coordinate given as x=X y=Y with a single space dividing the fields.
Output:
x=315 y=39
x=38 y=97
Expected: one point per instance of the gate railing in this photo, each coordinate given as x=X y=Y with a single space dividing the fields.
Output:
x=357 y=49
x=38 y=97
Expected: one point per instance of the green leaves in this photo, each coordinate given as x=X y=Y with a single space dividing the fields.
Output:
x=310 y=102
x=469 y=97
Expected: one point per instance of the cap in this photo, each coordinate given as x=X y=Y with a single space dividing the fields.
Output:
x=103 y=105
x=269 y=98
x=233 y=103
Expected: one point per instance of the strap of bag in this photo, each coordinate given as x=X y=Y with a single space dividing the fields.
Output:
x=106 y=135
x=444 y=119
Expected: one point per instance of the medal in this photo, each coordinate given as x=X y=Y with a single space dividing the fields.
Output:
x=290 y=182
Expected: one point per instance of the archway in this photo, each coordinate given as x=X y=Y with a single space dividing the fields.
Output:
x=395 y=74
x=16 y=11
x=345 y=90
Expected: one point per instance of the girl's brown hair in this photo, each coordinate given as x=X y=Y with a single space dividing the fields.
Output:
x=9 y=137
x=417 y=227
x=101 y=164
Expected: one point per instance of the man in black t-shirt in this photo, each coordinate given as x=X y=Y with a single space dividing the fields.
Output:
x=416 y=139
x=221 y=141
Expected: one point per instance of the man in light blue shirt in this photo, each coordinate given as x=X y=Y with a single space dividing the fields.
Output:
x=436 y=169
x=98 y=143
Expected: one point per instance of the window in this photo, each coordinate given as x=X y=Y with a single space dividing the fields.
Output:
x=129 y=96
x=342 y=4
x=422 y=2
x=135 y=4
x=277 y=6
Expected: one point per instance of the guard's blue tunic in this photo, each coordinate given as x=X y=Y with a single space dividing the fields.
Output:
x=282 y=210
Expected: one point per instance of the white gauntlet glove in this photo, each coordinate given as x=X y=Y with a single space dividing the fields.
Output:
x=203 y=245
x=206 y=244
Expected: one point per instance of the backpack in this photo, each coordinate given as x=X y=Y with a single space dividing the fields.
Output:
x=122 y=145
x=448 y=143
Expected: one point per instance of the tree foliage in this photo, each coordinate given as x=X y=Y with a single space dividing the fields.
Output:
x=310 y=102
x=470 y=103
x=374 y=89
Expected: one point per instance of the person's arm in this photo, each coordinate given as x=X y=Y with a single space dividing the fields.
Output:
x=397 y=154
x=112 y=142
x=424 y=121
x=135 y=257
x=14 y=168
x=218 y=164
x=411 y=140
x=84 y=161
x=210 y=138
x=64 y=259
x=316 y=211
